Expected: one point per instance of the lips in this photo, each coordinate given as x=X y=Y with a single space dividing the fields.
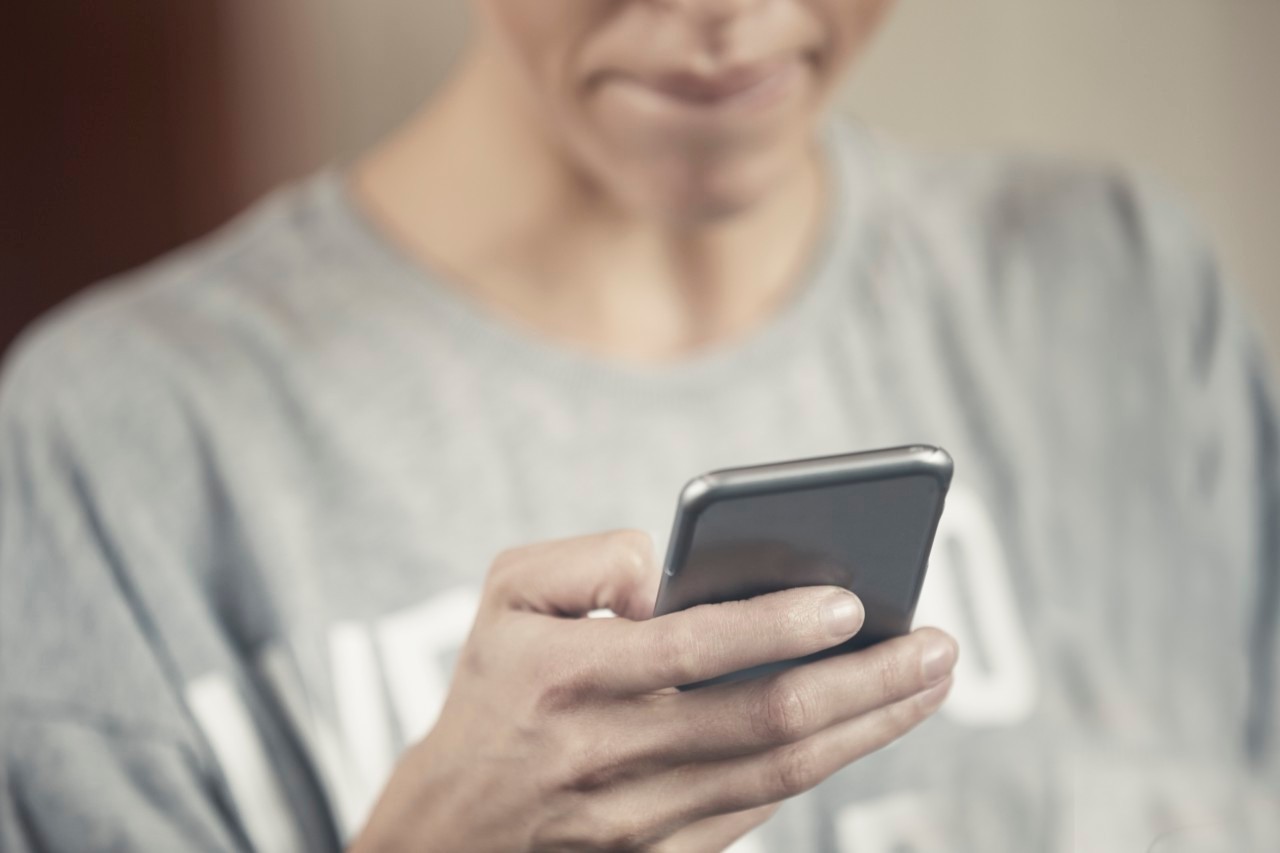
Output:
x=710 y=89
x=745 y=92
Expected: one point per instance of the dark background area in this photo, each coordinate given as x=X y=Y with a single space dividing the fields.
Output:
x=120 y=141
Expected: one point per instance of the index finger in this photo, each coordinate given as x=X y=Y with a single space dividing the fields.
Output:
x=717 y=639
x=571 y=577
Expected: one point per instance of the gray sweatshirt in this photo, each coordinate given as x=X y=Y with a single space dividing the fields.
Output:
x=248 y=495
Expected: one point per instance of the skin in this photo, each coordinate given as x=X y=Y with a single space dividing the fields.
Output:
x=563 y=733
x=547 y=166
x=637 y=179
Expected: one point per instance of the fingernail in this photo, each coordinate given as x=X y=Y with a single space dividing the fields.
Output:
x=938 y=660
x=842 y=614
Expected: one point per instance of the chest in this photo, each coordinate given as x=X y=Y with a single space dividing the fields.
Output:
x=1042 y=569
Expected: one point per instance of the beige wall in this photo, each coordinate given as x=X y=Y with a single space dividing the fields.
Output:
x=1186 y=89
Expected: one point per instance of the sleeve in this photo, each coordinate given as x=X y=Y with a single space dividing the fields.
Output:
x=71 y=786
x=1231 y=452
x=95 y=751
x=1260 y=433
x=1262 y=737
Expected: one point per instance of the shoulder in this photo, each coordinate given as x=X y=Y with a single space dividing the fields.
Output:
x=1076 y=249
x=113 y=409
x=1027 y=201
x=198 y=313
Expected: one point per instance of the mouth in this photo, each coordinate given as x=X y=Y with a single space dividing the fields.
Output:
x=741 y=87
x=713 y=89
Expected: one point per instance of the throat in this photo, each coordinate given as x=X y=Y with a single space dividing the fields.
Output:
x=635 y=317
x=540 y=249
x=640 y=292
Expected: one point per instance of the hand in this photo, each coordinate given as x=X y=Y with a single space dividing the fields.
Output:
x=565 y=733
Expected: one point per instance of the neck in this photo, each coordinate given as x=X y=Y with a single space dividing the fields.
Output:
x=472 y=189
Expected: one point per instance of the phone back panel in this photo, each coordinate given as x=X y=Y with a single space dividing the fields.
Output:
x=863 y=521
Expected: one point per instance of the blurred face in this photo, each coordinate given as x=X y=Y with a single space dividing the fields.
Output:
x=688 y=109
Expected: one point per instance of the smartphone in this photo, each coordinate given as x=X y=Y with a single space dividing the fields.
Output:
x=863 y=521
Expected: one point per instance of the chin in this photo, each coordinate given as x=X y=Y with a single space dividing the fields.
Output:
x=689 y=191
x=694 y=207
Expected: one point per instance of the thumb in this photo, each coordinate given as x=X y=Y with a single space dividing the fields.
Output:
x=617 y=570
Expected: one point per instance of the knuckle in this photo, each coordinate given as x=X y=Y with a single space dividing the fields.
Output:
x=589 y=767
x=792 y=770
x=795 y=622
x=890 y=674
x=785 y=712
x=677 y=655
x=635 y=546
x=562 y=684
x=670 y=655
x=506 y=560
x=504 y=566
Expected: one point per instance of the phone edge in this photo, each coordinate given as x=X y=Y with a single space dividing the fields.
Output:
x=773 y=477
